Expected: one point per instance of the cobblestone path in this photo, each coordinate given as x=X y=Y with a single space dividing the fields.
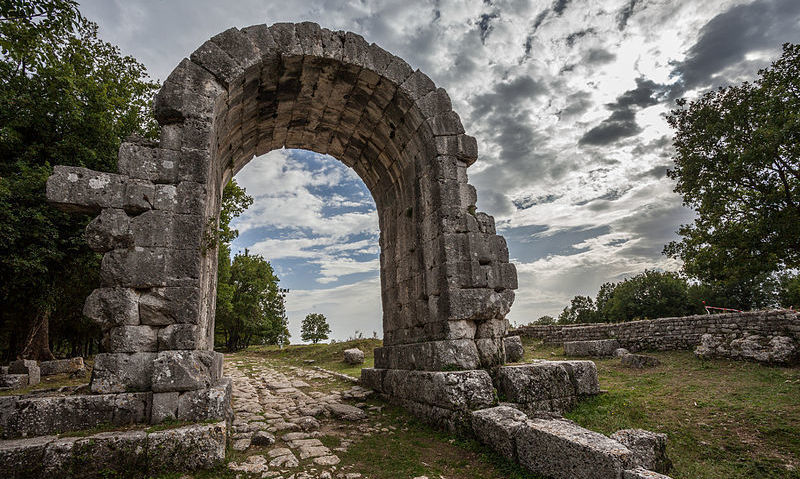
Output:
x=283 y=414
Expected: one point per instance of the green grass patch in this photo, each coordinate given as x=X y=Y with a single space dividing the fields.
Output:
x=328 y=356
x=725 y=419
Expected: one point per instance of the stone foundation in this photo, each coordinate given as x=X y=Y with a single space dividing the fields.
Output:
x=27 y=416
x=119 y=453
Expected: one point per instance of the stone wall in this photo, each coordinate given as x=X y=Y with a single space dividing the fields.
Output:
x=666 y=334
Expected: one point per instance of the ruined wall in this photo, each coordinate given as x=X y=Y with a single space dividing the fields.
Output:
x=666 y=334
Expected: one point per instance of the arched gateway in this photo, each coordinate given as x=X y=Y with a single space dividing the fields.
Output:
x=446 y=283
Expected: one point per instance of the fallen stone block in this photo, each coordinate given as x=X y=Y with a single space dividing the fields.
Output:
x=546 y=385
x=514 y=349
x=619 y=352
x=639 y=361
x=26 y=366
x=649 y=448
x=560 y=449
x=594 y=348
x=346 y=412
x=583 y=375
x=498 y=427
x=353 y=356
x=61 y=366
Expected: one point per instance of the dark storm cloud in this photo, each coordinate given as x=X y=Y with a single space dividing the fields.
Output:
x=540 y=19
x=577 y=104
x=625 y=14
x=654 y=225
x=622 y=122
x=485 y=25
x=727 y=38
x=560 y=6
x=529 y=201
x=575 y=36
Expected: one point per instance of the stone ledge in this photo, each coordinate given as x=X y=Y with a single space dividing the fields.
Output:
x=22 y=416
x=128 y=453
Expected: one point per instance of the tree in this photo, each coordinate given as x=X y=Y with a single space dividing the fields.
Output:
x=580 y=310
x=257 y=314
x=315 y=328
x=789 y=294
x=545 y=320
x=737 y=164
x=601 y=302
x=66 y=97
x=250 y=305
x=651 y=294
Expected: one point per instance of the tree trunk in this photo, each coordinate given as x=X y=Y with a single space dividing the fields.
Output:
x=37 y=344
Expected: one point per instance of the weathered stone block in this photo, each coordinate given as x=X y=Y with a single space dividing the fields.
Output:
x=114 y=451
x=353 y=356
x=13 y=381
x=514 y=349
x=211 y=57
x=642 y=473
x=186 y=370
x=115 y=373
x=82 y=190
x=61 y=366
x=431 y=355
x=165 y=407
x=594 y=348
x=144 y=160
x=109 y=231
x=189 y=91
x=172 y=305
x=649 y=448
x=538 y=386
x=22 y=458
x=583 y=375
x=490 y=351
x=37 y=416
x=561 y=449
x=26 y=366
x=110 y=307
x=213 y=403
x=131 y=339
x=454 y=390
x=57 y=460
x=135 y=268
x=178 y=336
x=372 y=378
x=479 y=304
x=187 y=448
x=498 y=427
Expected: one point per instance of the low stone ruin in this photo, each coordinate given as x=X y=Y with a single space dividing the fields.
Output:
x=553 y=386
x=781 y=350
x=596 y=348
x=20 y=374
x=353 y=356
x=560 y=449
x=514 y=349
x=62 y=366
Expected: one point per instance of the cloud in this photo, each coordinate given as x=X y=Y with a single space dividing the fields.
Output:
x=622 y=122
x=727 y=39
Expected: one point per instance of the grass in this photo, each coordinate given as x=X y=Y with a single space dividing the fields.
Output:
x=328 y=356
x=414 y=449
x=725 y=419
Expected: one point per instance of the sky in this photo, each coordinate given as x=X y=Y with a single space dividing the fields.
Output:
x=567 y=99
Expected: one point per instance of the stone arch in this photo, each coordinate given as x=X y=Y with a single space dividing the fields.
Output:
x=446 y=283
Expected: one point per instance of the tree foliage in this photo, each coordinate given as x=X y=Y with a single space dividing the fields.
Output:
x=315 y=328
x=66 y=97
x=737 y=164
x=250 y=305
x=580 y=310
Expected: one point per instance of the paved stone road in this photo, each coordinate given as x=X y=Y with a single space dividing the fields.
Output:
x=283 y=412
